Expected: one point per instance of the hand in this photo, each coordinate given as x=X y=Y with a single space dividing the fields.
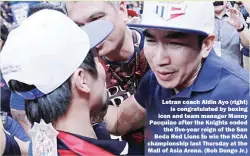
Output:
x=235 y=18
x=229 y=5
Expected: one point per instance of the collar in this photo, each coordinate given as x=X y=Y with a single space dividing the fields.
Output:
x=113 y=146
x=226 y=14
x=209 y=75
x=207 y=78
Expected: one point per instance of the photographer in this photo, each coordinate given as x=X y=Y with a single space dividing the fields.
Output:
x=231 y=31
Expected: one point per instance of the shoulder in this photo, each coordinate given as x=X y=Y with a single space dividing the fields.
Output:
x=234 y=72
x=234 y=80
x=149 y=79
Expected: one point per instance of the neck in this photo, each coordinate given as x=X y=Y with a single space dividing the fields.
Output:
x=77 y=120
x=190 y=80
x=125 y=50
x=220 y=14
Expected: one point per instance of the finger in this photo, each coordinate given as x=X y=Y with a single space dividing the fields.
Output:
x=234 y=11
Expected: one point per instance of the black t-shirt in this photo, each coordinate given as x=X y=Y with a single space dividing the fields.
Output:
x=11 y=146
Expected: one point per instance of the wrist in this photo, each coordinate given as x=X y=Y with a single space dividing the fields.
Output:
x=241 y=28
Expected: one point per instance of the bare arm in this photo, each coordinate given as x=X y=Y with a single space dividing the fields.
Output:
x=129 y=116
x=3 y=139
x=245 y=37
x=24 y=146
x=236 y=20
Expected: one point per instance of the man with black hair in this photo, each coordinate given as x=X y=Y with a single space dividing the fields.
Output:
x=231 y=30
x=187 y=81
x=17 y=101
x=40 y=6
x=121 y=54
x=60 y=79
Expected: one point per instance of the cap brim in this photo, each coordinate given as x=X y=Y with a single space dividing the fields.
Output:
x=98 y=31
x=168 y=28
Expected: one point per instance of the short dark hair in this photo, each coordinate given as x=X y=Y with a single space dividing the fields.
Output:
x=37 y=7
x=201 y=38
x=54 y=105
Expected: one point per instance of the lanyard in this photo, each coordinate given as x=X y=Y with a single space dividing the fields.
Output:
x=129 y=82
x=218 y=27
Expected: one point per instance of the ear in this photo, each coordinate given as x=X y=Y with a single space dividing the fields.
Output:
x=79 y=81
x=207 y=45
x=123 y=11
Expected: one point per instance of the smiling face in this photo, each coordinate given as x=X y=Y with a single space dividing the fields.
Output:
x=84 y=12
x=174 y=57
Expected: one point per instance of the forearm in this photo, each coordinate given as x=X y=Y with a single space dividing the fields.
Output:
x=24 y=146
x=3 y=139
x=245 y=37
x=127 y=117
x=130 y=117
x=111 y=118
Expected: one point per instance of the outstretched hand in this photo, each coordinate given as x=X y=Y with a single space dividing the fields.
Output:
x=235 y=18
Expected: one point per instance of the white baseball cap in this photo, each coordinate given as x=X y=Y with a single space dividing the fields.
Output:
x=193 y=17
x=47 y=48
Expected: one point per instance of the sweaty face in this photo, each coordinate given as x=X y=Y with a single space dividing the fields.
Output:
x=174 y=57
x=97 y=85
x=85 y=12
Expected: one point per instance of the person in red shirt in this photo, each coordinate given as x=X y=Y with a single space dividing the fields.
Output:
x=58 y=74
x=121 y=54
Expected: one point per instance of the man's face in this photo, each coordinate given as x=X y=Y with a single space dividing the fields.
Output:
x=85 y=12
x=174 y=57
x=98 y=90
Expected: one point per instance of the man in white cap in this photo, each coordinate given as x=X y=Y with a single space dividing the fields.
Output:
x=186 y=80
x=47 y=61
x=121 y=55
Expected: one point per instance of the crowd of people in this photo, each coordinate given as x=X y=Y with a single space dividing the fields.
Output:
x=91 y=74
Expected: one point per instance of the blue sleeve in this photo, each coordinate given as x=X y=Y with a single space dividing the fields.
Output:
x=11 y=146
x=30 y=149
x=15 y=129
x=5 y=96
x=146 y=88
